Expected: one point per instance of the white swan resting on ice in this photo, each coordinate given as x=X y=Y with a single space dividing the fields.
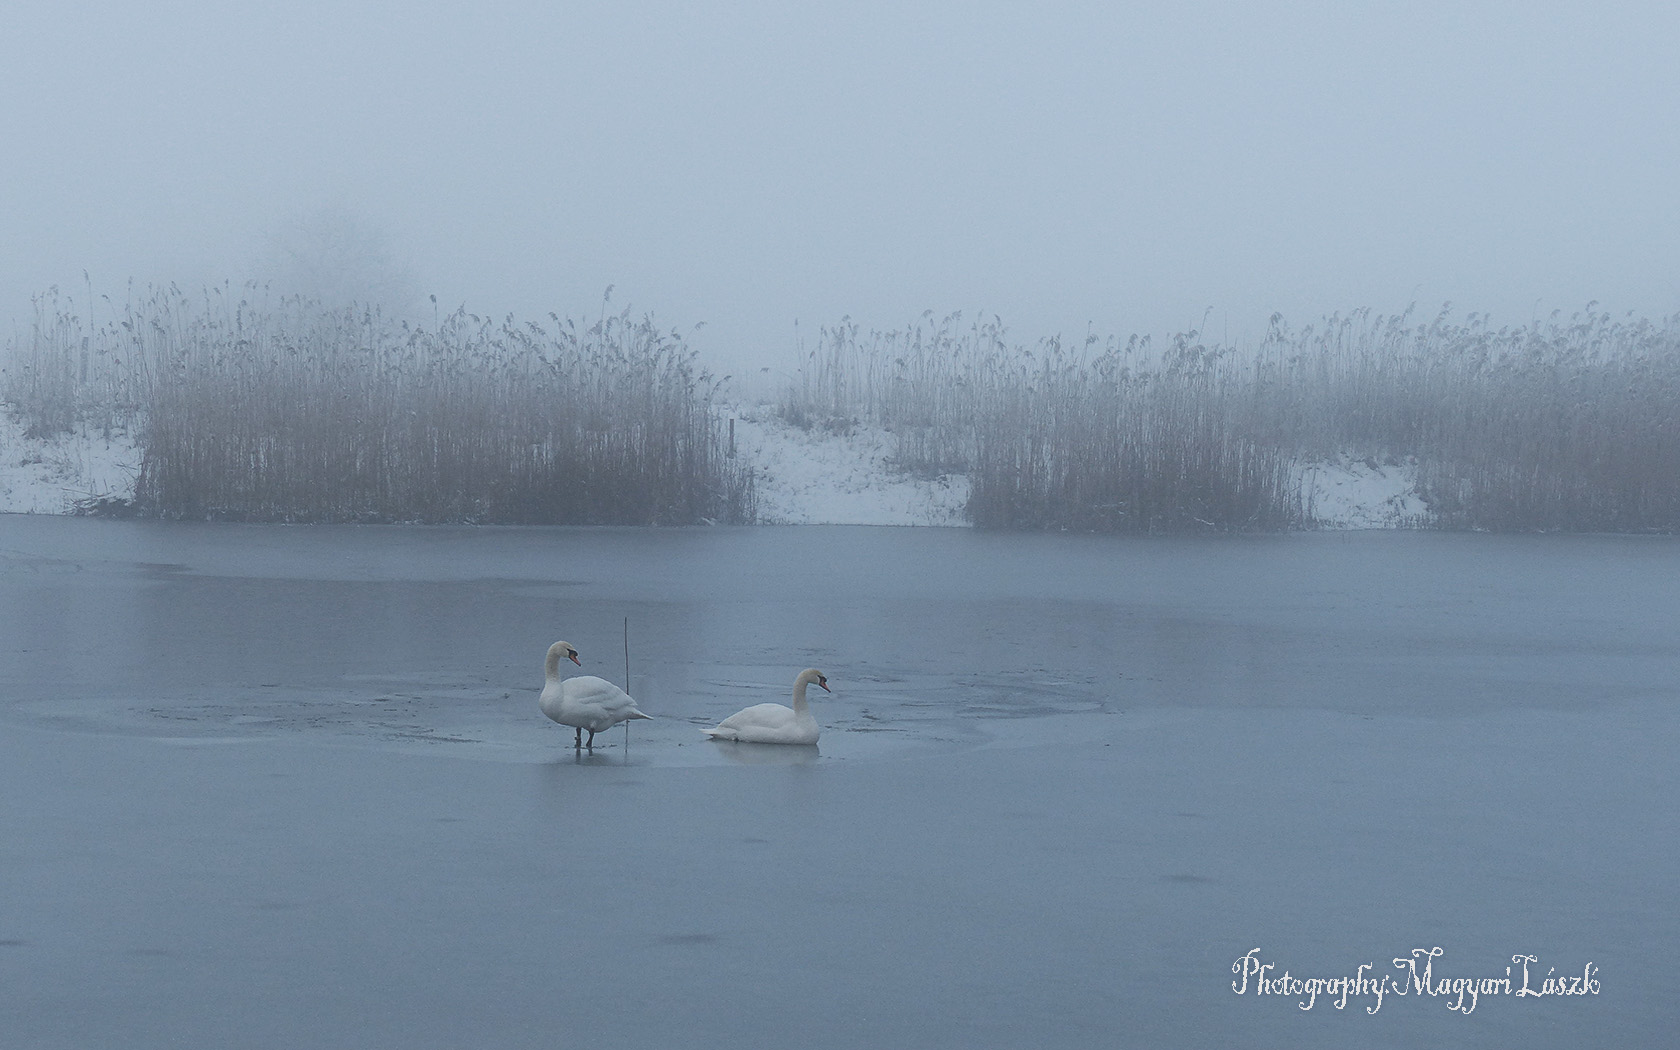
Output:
x=773 y=723
x=585 y=702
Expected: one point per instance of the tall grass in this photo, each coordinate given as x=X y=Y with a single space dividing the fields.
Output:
x=1564 y=424
x=1105 y=436
x=294 y=412
x=67 y=372
x=287 y=411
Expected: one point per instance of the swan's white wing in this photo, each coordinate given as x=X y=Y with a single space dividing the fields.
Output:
x=762 y=716
x=595 y=703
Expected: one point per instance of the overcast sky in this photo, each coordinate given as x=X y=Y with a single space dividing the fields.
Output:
x=1125 y=165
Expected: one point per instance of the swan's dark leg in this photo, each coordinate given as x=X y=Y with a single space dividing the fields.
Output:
x=577 y=741
x=591 y=744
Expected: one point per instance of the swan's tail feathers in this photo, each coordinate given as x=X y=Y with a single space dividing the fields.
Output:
x=719 y=733
x=634 y=714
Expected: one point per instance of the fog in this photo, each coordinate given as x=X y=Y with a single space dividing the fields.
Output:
x=756 y=167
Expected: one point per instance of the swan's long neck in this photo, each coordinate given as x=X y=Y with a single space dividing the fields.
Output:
x=551 y=665
x=806 y=677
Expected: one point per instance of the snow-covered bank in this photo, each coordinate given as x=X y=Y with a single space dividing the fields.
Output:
x=1351 y=493
x=52 y=475
x=815 y=476
x=838 y=477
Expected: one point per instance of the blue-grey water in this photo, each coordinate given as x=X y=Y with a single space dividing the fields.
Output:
x=287 y=787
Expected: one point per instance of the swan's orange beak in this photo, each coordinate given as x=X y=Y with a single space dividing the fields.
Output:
x=574 y=659
x=824 y=683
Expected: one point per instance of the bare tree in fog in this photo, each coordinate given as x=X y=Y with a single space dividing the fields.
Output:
x=338 y=258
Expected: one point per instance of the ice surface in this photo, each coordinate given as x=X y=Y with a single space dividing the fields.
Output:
x=282 y=787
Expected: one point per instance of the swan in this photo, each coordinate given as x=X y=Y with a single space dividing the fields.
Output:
x=585 y=702
x=773 y=723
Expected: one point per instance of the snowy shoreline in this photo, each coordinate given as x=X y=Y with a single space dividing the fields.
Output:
x=53 y=475
x=810 y=476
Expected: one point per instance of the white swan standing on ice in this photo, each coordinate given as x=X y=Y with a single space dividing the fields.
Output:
x=585 y=702
x=773 y=723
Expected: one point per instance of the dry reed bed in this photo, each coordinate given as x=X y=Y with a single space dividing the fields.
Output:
x=293 y=412
x=1566 y=424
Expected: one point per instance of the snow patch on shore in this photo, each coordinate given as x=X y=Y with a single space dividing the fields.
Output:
x=51 y=475
x=838 y=476
x=1353 y=493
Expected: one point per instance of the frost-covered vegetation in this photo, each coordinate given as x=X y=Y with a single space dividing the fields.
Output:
x=1565 y=424
x=292 y=411
x=247 y=409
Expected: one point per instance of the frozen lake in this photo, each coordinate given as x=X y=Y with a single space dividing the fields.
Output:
x=270 y=787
